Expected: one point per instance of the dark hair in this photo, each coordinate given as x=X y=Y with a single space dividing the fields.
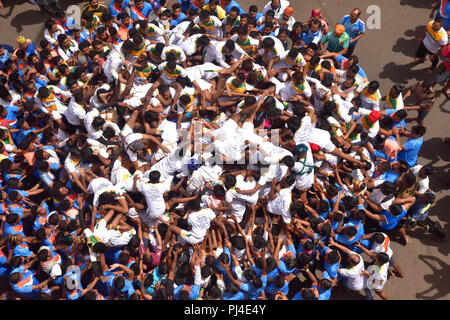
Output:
x=333 y=256
x=238 y=242
x=382 y=257
x=395 y=210
x=378 y=237
x=119 y=282
x=419 y=130
x=350 y=231
x=230 y=181
x=308 y=294
x=154 y=176
x=205 y=271
x=194 y=204
x=326 y=284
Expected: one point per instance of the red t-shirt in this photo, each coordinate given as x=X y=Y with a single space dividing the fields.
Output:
x=446 y=54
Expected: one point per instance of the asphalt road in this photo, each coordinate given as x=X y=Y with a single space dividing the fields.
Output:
x=386 y=55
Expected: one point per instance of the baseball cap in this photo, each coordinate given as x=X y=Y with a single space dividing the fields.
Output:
x=300 y=148
x=155 y=5
x=193 y=164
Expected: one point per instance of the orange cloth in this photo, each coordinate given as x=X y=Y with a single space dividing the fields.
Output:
x=339 y=29
x=288 y=11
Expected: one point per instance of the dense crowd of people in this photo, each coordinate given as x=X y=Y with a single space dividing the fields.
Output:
x=206 y=151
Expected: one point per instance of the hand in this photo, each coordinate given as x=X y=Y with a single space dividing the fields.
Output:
x=114 y=266
x=332 y=242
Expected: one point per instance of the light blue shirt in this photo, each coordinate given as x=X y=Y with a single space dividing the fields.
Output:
x=411 y=152
x=353 y=30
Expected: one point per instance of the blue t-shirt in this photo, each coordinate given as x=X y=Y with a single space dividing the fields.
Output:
x=341 y=59
x=402 y=123
x=114 y=12
x=444 y=12
x=271 y=289
x=25 y=286
x=391 y=176
x=145 y=11
x=282 y=267
x=325 y=294
x=184 y=4
x=180 y=18
x=298 y=295
x=193 y=289
x=353 y=30
x=272 y=274
x=232 y=4
x=308 y=38
x=252 y=292
x=238 y=296
x=11 y=117
x=4 y=269
x=411 y=152
x=391 y=220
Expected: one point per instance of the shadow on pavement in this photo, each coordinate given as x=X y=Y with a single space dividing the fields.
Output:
x=418 y=3
x=427 y=239
x=408 y=44
x=396 y=73
x=29 y=17
x=11 y=4
x=435 y=150
x=438 y=279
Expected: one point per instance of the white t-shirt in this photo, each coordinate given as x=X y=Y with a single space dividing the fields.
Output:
x=434 y=43
x=154 y=196
x=377 y=196
x=281 y=204
x=353 y=279
x=216 y=26
x=422 y=184
x=200 y=222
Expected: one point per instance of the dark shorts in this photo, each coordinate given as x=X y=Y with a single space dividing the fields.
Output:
x=422 y=51
x=422 y=114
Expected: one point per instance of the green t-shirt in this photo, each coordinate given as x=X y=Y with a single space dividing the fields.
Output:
x=336 y=44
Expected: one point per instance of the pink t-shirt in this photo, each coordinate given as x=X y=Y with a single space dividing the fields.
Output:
x=446 y=54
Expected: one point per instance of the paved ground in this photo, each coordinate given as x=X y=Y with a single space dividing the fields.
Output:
x=386 y=56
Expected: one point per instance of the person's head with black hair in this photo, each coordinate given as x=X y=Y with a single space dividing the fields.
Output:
x=119 y=282
x=202 y=41
x=238 y=242
x=204 y=16
x=395 y=210
x=381 y=258
x=288 y=161
x=387 y=188
x=230 y=181
x=418 y=131
x=154 y=176
x=268 y=43
x=194 y=204
x=232 y=288
x=349 y=231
